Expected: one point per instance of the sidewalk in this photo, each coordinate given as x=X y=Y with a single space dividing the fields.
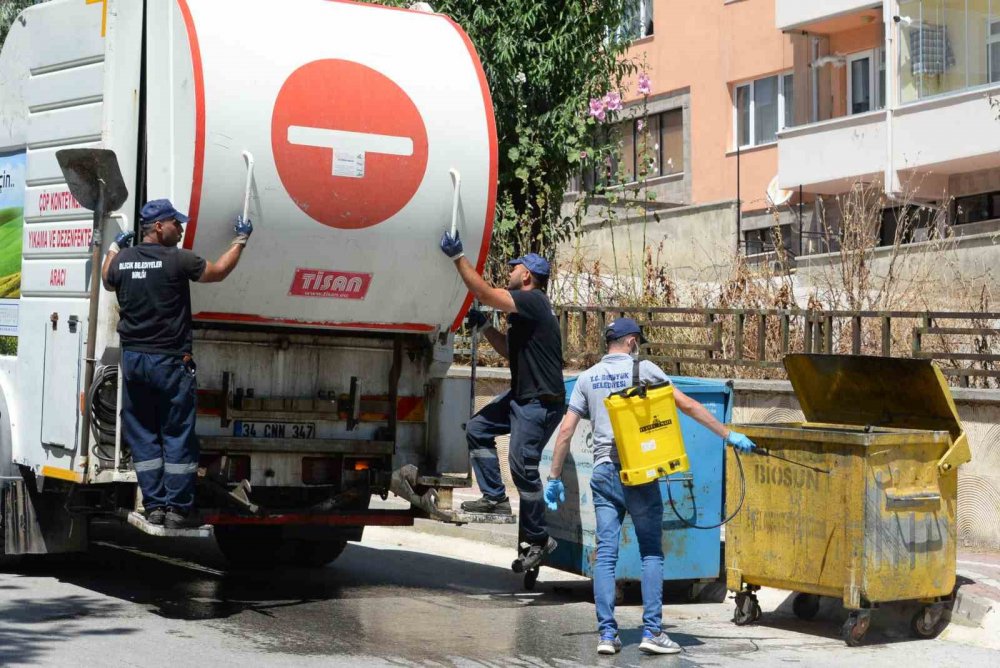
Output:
x=975 y=617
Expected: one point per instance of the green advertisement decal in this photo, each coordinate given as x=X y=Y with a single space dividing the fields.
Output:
x=11 y=223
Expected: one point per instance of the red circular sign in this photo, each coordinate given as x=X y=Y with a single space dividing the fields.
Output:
x=349 y=144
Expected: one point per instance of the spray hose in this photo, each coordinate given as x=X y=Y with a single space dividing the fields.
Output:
x=102 y=402
x=739 y=506
x=743 y=487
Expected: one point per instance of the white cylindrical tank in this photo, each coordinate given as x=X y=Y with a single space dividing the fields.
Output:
x=355 y=115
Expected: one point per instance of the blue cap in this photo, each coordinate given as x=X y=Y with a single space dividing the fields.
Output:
x=623 y=327
x=535 y=263
x=160 y=209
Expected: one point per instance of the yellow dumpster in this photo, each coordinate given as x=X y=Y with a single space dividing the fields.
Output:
x=861 y=504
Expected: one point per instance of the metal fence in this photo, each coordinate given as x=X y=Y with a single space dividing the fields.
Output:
x=751 y=343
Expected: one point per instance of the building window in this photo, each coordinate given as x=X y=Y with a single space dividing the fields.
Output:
x=865 y=85
x=650 y=147
x=765 y=239
x=638 y=21
x=761 y=108
x=993 y=48
x=977 y=208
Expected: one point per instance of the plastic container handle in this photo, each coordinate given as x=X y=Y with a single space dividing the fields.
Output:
x=248 y=158
x=456 y=180
x=897 y=501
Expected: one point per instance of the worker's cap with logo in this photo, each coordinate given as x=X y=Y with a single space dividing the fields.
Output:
x=535 y=263
x=160 y=209
x=623 y=327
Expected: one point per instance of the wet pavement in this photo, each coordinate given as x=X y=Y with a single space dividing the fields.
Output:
x=398 y=598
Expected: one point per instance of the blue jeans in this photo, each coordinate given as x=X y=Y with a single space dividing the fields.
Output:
x=644 y=504
x=530 y=425
x=159 y=394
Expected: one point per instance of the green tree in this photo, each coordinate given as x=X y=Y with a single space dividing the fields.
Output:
x=9 y=9
x=544 y=61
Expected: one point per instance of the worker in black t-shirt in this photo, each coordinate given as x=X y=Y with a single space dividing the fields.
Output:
x=532 y=409
x=159 y=390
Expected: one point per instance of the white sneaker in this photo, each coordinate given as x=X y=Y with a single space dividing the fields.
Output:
x=658 y=644
x=609 y=646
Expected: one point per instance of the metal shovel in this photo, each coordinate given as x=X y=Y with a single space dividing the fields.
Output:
x=95 y=180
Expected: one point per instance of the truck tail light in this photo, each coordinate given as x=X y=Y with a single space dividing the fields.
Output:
x=320 y=470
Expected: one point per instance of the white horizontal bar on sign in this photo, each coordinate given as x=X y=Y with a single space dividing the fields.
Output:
x=350 y=142
x=43 y=168
x=54 y=276
x=57 y=239
x=51 y=202
x=65 y=88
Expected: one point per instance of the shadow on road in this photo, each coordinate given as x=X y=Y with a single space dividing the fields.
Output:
x=29 y=627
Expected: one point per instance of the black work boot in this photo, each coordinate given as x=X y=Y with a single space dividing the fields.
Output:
x=488 y=506
x=156 y=516
x=175 y=519
x=532 y=555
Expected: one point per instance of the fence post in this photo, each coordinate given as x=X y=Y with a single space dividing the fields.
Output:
x=807 y=342
x=564 y=330
x=828 y=333
x=856 y=335
x=716 y=336
x=784 y=333
x=761 y=337
x=740 y=318
x=886 y=336
x=602 y=324
x=583 y=330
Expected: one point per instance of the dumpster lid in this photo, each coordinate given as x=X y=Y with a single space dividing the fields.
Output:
x=877 y=391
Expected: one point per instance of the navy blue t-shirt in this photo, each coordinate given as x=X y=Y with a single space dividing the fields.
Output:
x=534 y=345
x=152 y=282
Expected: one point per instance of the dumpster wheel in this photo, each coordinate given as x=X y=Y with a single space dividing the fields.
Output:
x=530 y=579
x=856 y=627
x=747 y=609
x=929 y=622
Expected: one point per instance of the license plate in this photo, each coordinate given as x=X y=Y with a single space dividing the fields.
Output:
x=293 y=430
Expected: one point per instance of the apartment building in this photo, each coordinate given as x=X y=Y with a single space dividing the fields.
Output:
x=810 y=98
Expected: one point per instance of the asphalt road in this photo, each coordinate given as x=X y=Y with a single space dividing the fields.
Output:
x=398 y=598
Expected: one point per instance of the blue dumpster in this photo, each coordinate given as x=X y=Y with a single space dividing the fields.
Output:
x=690 y=554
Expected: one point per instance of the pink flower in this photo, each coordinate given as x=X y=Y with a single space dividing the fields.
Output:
x=597 y=108
x=645 y=85
x=613 y=101
x=640 y=124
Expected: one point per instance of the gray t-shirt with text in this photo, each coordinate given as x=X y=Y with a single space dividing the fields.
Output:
x=612 y=374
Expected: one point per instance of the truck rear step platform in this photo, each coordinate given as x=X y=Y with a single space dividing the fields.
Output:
x=140 y=523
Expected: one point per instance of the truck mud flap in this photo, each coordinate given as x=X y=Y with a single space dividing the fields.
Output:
x=37 y=523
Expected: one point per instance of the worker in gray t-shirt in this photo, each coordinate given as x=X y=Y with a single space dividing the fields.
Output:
x=612 y=499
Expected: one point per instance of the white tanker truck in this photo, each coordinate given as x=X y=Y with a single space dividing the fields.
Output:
x=322 y=359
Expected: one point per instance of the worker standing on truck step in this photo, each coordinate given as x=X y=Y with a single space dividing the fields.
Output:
x=159 y=389
x=612 y=499
x=531 y=410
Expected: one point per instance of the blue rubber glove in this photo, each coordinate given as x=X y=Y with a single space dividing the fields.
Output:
x=243 y=228
x=477 y=320
x=740 y=441
x=452 y=245
x=123 y=240
x=555 y=493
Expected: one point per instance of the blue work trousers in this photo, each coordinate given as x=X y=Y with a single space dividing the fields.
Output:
x=644 y=504
x=530 y=425
x=159 y=397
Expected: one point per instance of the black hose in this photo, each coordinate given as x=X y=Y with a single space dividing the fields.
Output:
x=102 y=402
x=739 y=507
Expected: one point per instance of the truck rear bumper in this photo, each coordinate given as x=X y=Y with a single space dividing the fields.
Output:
x=385 y=518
